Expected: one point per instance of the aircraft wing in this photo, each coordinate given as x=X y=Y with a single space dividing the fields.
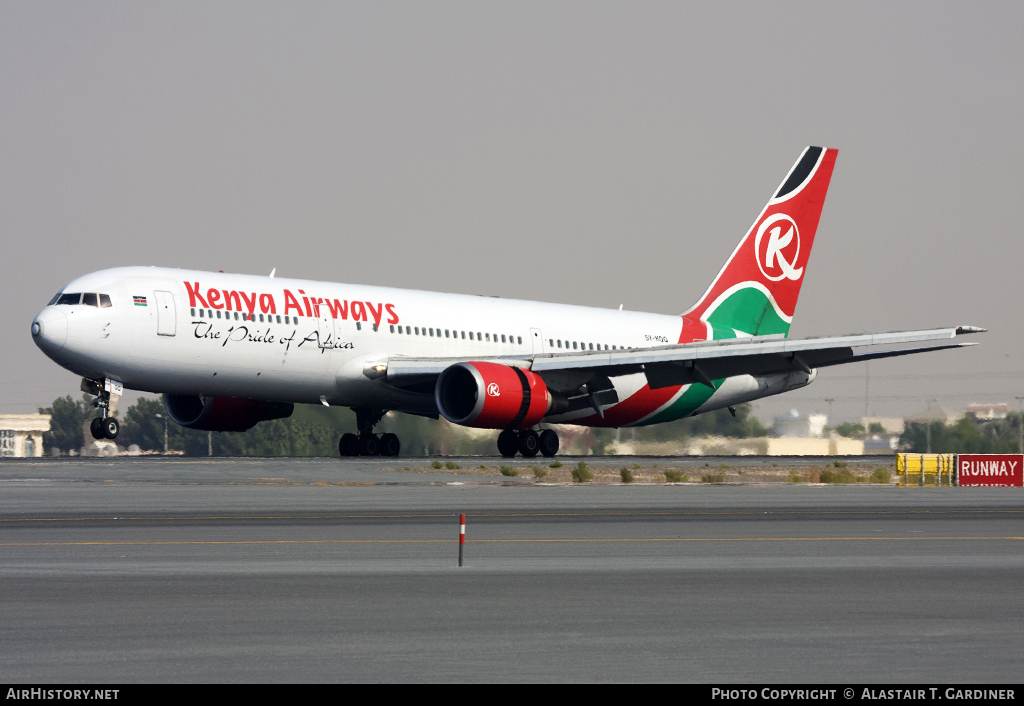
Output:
x=702 y=362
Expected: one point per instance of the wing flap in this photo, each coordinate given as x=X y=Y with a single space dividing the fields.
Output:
x=732 y=348
x=706 y=372
x=703 y=362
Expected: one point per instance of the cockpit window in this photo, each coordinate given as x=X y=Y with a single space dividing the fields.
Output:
x=88 y=299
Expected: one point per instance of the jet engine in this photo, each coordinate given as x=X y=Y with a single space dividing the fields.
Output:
x=491 y=396
x=223 y=413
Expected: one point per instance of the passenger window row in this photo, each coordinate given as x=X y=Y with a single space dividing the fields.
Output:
x=88 y=299
x=580 y=345
x=261 y=318
x=451 y=333
x=478 y=336
x=244 y=316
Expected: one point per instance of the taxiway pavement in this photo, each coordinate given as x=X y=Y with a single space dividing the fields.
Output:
x=198 y=570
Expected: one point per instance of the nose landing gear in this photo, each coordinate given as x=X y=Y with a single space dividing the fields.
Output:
x=106 y=426
x=367 y=443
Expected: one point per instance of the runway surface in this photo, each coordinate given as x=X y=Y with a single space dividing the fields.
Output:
x=286 y=570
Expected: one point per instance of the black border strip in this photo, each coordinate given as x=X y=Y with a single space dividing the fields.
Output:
x=525 y=406
x=801 y=171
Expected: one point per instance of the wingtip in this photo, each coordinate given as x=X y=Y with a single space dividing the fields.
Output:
x=960 y=330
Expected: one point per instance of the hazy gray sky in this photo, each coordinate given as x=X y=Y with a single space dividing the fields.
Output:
x=591 y=153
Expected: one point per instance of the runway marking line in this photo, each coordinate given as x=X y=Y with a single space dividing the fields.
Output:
x=311 y=482
x=415 y=516
x=499 y=541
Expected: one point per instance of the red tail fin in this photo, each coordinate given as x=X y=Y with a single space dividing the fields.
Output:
x=755 y=293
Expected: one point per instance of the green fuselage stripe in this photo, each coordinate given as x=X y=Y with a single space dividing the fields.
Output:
x=686 y=404
x=747 y=310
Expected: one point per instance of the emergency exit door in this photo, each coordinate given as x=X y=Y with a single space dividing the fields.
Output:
x=536 y=341
x=325 y=327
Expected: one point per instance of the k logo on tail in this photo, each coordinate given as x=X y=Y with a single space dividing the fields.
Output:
x=782 y=248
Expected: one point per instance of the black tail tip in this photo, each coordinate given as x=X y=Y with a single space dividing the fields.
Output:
x=801 y=171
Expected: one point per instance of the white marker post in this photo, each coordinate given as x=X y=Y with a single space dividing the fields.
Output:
x=462 y=536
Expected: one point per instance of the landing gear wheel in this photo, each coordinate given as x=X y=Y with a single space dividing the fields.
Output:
x=96 y=428
x=110 y=428
x=369 y=445
x=508 y=443
x=390 y=445
x=548 y=443
x=349 y=445
x=529 y=443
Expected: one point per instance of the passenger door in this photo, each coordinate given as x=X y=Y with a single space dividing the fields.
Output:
x=165 y=314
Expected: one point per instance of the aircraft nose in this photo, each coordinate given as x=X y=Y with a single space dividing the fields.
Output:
x=50 y=329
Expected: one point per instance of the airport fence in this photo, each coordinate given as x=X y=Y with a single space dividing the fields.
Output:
x=926 y=469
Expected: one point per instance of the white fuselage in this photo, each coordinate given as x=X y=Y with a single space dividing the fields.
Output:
x=191 y=332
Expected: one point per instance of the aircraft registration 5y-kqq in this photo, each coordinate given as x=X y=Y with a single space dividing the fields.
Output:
x=228 y=350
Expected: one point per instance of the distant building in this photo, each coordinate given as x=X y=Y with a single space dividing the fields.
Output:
x=892 y=425
x=876 y=444
x=934 y=413
x=794 y=425
x=988 y=411
x=809 y=446
x=21 y=435
x=763 y=446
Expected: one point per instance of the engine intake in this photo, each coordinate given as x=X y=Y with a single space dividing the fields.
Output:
x=491 y=396
x=223 y=413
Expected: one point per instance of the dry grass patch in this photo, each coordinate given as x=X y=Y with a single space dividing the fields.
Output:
x=582 y=473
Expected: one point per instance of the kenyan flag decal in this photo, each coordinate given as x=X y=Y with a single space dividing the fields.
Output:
x=139 y=301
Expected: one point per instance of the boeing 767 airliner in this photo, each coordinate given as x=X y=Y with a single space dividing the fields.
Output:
x=228 y=351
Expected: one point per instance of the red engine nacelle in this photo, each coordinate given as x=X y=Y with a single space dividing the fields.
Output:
x=491 y=396
x=223 y=413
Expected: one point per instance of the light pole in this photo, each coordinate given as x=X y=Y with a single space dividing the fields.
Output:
x=867 y=384
x=928 y=426
x=160 y=416
x=1021 y=422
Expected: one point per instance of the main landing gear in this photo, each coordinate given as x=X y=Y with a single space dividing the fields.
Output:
x=367 y=443
x=527 y=442
x=105 y=426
